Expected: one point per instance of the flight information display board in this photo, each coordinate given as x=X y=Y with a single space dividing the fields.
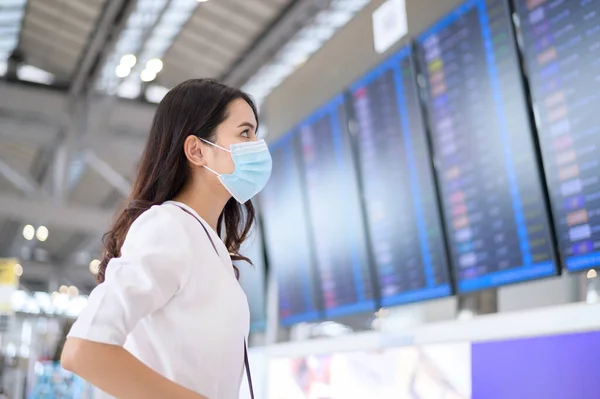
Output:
x=287 y=235
x=335 y=212
x=253 y=279
x=562 y=55
x=403 y=217
x=497 y=223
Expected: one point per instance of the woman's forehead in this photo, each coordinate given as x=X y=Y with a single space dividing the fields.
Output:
x=240 y=112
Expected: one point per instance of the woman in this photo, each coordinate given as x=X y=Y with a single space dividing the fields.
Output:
x=169 y=319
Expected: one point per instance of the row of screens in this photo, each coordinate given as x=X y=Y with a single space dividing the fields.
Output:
x=356 y=216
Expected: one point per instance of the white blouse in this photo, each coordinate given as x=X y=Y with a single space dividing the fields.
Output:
x=173 y=303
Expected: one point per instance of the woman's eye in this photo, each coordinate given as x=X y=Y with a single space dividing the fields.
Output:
x=246 y=134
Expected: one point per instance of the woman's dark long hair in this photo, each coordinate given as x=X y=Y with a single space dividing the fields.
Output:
x=194 y=107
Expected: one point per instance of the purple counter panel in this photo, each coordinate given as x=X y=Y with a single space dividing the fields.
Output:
x=554 y=367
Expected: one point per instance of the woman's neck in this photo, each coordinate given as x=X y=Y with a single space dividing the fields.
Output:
x=203 y=200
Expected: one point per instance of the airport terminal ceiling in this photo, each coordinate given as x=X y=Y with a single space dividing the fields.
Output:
x=67 y=150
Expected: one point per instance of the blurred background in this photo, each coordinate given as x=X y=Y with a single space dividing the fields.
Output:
x=430 y=228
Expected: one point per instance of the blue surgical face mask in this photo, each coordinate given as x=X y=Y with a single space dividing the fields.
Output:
x=252 y=169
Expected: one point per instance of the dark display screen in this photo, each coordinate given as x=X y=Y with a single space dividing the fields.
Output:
x=335 y=212
x=253 y=279
x=562 y=55
x=287 y=235
x=397 y=179
x=496 y=220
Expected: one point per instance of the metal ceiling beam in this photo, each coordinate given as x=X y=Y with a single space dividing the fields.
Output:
x=31 y=114
x=124 y=116
x=109 y=25
x=297 y=15
x=107 y=28
x=122 y=131
x=79 y=218
x=40 y=107
x=25 y=184
x=66 y=149
x=39 y=131
x=105 y=170
x=115 y=142
x=28 y=102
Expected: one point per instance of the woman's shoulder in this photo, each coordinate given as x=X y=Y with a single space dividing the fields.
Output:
x=160 y=221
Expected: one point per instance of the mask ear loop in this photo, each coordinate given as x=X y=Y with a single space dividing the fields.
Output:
x=218 y=174
x=218 y=146
x=215 y=145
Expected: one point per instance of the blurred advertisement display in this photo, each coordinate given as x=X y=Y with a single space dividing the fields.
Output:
x=9 y=282
x=431 y=372
x=543 y=367
x=59 y=304
x=53 y=382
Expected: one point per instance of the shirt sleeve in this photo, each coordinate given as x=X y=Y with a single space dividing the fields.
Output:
x=154 y=265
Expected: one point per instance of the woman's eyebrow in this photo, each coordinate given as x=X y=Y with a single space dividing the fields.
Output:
x=247 y=124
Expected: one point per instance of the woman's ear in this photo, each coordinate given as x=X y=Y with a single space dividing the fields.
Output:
x=193 y=149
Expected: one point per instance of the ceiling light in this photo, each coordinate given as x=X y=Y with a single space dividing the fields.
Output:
x=95 y=266
x=128 y=60
x=29 y=232
x=147 y=75
x=18 y=269
x=122 y=71
x=42 y=233
x=155 y=65
x=29 y=73
x=73 y=291
x=592 y=274
x=149 y=32
x=202 y=1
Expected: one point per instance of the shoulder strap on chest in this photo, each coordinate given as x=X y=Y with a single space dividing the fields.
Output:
x=203 y=226
x=246 y=361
